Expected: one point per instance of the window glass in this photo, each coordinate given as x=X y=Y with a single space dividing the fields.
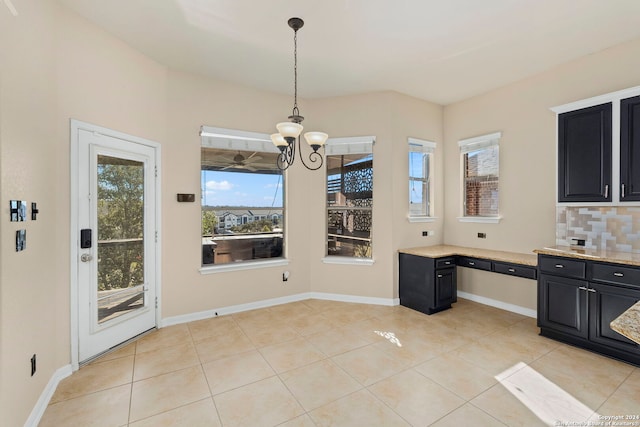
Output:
x=480 y=163
x=420 y=188
x=349 y=204
x=242 y=205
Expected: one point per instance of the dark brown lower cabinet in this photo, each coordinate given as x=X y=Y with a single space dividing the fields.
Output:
x=579 y=310
x=605 y=304
x=427 y=285
x=563 y=305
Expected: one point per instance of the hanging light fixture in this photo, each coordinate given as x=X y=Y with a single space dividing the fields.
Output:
x=289 y=132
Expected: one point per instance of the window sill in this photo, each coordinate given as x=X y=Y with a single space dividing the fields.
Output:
x=347 y=260
x=480 y=219
x=421 y=219
x=246 y=265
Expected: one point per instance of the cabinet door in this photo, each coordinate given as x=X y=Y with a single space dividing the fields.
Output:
x=605 y=304
x=416 y=282
x=446 y=288
x=584 y=155
x=630 y=149
x=562 y=304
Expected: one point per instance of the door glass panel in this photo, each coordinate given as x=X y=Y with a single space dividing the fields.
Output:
x=120 y=211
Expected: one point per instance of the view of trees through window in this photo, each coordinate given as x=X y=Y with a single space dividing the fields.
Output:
x=120 y=212
x=242 y=206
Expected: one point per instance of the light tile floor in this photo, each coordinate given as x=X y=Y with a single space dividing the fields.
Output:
x=324 y=363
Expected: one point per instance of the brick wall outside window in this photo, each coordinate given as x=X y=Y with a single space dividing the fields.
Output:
x=481 y=182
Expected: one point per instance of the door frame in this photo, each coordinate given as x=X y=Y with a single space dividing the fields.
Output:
x=75 y=127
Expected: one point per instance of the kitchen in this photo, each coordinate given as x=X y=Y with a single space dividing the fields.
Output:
x=80 y=74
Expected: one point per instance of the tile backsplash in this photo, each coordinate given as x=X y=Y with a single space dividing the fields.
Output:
x=614 y=228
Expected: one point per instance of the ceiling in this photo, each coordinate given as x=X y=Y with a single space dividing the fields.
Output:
x=440 y=51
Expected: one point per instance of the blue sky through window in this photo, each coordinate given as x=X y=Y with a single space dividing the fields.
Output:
x=223 y=188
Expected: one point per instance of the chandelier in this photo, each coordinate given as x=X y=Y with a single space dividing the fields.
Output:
x=289 y=132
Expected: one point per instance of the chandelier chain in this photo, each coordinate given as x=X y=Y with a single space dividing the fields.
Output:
x=291 y=142
x=295 y=72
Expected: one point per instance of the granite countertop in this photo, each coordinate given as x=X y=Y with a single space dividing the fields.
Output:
x=592 y=254
x=448 y=250
x=628 y=323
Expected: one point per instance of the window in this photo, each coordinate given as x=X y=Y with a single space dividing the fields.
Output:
x=480 y=171
x=242 y=198
x=349 y=196
x=420 y=185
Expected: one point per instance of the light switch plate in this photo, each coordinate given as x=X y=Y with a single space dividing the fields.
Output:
x=18 y=209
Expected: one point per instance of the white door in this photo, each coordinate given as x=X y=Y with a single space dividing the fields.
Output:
x=116 y=244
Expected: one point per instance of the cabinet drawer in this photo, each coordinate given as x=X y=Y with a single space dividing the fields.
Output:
x=563 y=267
x=445 y=262
x=481 y=264
x=616 y=274
x=515 y=269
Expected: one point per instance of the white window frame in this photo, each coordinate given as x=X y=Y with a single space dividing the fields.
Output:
x=340 y=146
x=427 y=147
x=473 y=144
x=233 y=139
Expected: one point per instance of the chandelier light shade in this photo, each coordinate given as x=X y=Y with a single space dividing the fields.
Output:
x=288 y=135
x=279 y=141
x=316 y=139
x=289 y=129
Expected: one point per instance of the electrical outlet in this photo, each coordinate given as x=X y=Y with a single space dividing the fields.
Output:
x=482 y=235
x=33 y=365
x=425 y=233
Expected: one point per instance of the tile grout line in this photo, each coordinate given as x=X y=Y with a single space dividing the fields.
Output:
x=526 y=342
x=206 y=379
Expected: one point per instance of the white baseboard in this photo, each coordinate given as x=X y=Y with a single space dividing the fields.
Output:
x=356 y=299
x=499 y=304
x=45 y=397
x=200 y=315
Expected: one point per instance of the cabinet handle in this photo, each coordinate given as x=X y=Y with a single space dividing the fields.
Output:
x=439 y=275
x=622 y=185
x=447 y=262
x=606 y=191
x=583 y=288
x=618 y=274
x=559 y=266
x=511 y=270
x=591 y=290
x=472 y=263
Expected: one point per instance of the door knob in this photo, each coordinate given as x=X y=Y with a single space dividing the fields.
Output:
x=85 y=257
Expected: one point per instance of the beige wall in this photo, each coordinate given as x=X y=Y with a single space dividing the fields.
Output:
x=102 y=81
x=29 y=282
x=527 y=154
x=194 y=101
x=417 y=119
x=56 y=66
x=391 y=118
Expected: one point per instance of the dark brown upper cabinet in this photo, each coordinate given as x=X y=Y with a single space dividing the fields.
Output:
x=584 y=154
x=630 y=149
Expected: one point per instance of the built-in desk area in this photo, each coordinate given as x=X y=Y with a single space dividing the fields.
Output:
x=428 y=277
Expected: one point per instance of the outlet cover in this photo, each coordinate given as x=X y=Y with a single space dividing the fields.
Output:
x=21 y=240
